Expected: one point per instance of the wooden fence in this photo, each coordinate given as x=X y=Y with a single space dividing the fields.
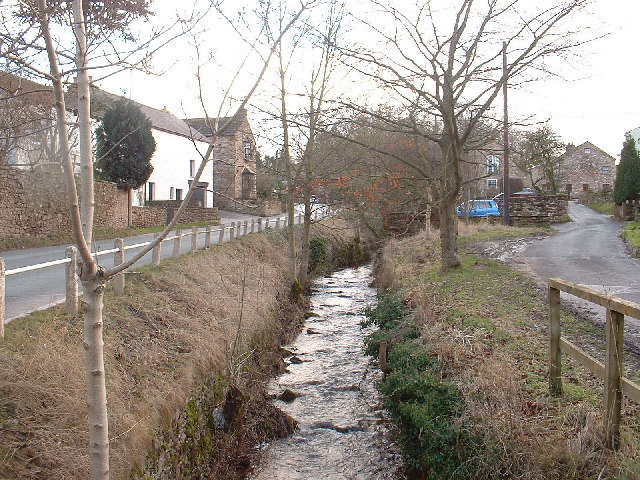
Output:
x=611 y=371
x=232 y=231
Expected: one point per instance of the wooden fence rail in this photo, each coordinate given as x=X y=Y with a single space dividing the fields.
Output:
x=611 y=370
x=70 y=261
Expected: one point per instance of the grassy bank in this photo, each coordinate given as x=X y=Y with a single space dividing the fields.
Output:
x=468 y=374
x=632 y=234
x=192 y=337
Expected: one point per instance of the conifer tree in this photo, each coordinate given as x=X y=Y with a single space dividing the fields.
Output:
x=627 y=185
x=125 y=145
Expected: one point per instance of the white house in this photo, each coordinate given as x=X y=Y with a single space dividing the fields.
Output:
x=177 y=156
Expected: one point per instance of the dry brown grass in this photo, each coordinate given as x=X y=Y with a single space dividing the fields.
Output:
x=486 y=325
x=173 y=328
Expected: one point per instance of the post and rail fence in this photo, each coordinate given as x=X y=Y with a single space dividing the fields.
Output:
x=611 y=370
x=71 y=256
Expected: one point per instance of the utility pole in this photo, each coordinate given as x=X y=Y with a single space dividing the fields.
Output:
x=505 y=170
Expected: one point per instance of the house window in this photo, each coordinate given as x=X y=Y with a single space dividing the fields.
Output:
x=178 y=194
x=605 y=169
x=587 y=150
x=585 y=186
x=247 y=149
x=152 y=191
x=192 y=168
x=493 y=163
x=492 y=182
x=171 y=193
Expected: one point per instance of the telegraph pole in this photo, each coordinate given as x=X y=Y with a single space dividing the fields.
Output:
x=505 y=170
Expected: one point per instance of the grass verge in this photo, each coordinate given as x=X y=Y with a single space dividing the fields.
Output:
x=632 y=234
x=481 y=356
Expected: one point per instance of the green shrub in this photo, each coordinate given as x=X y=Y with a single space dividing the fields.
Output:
x=392 y=319
x=427 y=412
x=318 y=255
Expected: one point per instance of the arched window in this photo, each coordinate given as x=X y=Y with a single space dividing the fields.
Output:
x=493 y=164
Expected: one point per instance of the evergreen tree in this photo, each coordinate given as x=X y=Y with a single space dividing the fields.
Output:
x=627 y=186
x=125 y=145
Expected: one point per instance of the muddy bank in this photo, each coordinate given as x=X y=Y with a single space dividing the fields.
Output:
x=175 y=342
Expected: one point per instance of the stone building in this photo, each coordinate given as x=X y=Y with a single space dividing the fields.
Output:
x=587 y=167
x=234 y=160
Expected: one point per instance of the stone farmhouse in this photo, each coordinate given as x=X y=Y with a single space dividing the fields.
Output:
x=234 y=160
x=587 y=167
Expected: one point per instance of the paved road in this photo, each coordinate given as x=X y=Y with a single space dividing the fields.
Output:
x=587 y=251
x=39 y=289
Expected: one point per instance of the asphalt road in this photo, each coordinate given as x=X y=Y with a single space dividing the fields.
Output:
x=38 y=289
x=590 y=252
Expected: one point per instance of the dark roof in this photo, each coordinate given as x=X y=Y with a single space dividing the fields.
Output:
x=201 y=124
x=13 y=86
x=160 y=119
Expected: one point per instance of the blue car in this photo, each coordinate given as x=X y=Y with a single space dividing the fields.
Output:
x=479 y=208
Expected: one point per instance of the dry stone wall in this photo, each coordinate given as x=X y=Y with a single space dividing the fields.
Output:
x=35 y=204
x=530 y=210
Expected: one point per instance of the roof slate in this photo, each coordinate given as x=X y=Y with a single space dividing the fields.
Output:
x=160 y=119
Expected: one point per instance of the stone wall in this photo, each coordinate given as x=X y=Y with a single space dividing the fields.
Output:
x=262 y=208
x=529 y=210
x=161 y=212
x=35 y=204
x=628 y=211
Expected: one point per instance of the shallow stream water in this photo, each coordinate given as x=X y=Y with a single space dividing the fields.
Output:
x=341 y=432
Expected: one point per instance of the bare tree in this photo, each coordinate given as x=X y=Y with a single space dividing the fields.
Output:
x=539 y=155
x=442 y=61
x=93 y=24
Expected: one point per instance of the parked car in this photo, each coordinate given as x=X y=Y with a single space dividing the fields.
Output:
x=479 y=208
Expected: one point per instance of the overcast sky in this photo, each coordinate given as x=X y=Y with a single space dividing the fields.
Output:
x=592 y=100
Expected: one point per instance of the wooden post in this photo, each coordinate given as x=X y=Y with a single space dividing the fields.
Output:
x=245 y=227
x=253 y=225
x=382 y=357
x=555 y=358
x=613 y=378
x=2 y=296
x=284 y=223
x=266 y=223
x=260 y=225
x=118 y=258
x=194 y=239
x=207 y=237
x=176 y=243
x=278 y=223
x=155 y=256
x=299 y=219
x=232 y=231
x=221 y=237
x=238 y=233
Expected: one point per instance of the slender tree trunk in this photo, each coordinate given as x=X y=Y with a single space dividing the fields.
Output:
x=448 y=233
x=303 y=272
x=95 y=377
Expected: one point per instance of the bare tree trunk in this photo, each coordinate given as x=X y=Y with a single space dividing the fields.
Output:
x=448 y=233
x=95 y=378
x=303 y=272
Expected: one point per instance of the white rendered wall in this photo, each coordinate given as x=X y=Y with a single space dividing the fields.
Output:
x=171 y=168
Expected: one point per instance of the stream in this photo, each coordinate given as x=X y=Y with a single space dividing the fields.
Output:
x=341 y=432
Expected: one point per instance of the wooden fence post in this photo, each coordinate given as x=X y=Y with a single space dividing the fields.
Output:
x=207 y=237
x=245 y=227
x=253 y=225
x=221 y=237
x=239 y=229
x=155 y=256
x=299 y=219
x=118 y=258
x=176 y=243
x=555 y=358
x=232 y=231
x=284 y=223
x=278 y=223
x=613 y=378
x=2 y=296
x=260 y=225
x=194 y=239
